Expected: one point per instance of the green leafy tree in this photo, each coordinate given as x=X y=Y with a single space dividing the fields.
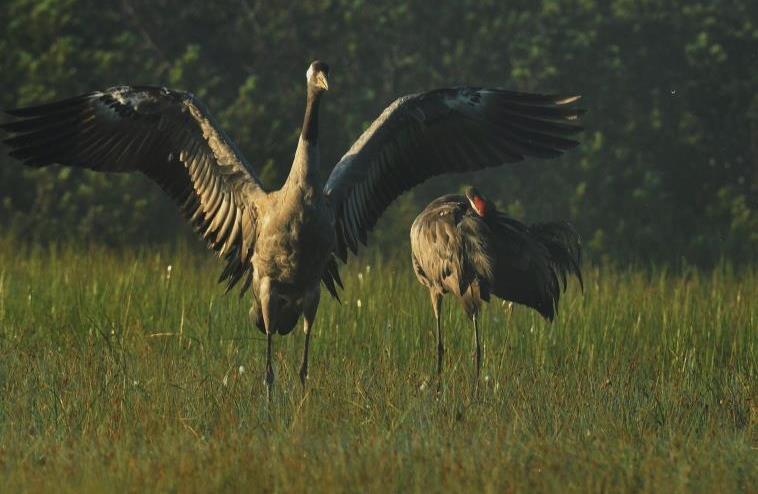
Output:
x=667 y=166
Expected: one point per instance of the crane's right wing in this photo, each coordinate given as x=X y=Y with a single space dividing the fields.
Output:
x=167 y=135
x=442 y=131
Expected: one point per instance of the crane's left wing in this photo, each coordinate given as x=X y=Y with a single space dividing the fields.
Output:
x=441 y=131
x=167 y=135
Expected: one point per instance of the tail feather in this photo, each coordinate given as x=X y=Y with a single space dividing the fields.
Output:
x=535 y=262
x=565 y=248
x=331 y=278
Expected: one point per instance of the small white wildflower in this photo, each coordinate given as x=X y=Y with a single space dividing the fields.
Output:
x=168 y=268
x=358 y=303
x=368 y=268
x=113 y=332
x=225 y=380
x=360 y=277
x=135 y=383
x=486 y=379
x=424 y=384
x=241 y=370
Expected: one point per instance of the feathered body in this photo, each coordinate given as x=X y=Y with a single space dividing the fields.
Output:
x=463 y=246
x=452 y=251
x=457 y=251
x=292 y=242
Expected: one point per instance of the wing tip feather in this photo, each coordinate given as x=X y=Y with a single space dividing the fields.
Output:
x=567 y=100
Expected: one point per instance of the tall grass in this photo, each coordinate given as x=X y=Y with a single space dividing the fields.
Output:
x=116 y=371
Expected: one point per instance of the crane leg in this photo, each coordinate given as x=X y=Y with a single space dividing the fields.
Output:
x=269 y=378
x=478 y=348
x=309 y=315
x=437 y=307
x=268 y=300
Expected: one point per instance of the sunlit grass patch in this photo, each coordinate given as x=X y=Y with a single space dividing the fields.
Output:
x=118 y=371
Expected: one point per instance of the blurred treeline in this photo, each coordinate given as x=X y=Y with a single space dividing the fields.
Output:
x=666 y=172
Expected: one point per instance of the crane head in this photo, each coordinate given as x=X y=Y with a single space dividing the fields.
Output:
x=478 y=202
x=317 y=75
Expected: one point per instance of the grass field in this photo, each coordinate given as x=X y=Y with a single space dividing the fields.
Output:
x=116 y=372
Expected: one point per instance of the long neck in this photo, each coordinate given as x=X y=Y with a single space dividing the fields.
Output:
x=305 y=167
x=309 y=132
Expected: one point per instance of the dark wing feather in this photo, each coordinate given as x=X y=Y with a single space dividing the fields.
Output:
x=446 y=130
x=533 y=262
x=167 y=135
x=565 y=248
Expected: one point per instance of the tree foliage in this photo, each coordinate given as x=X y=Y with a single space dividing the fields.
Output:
x=667 y=169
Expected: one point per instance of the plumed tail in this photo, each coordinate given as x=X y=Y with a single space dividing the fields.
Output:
x=331 y=278
x=564 y=246
x=534 y=262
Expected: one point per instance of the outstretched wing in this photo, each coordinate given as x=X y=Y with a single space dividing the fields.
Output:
x=446 y=130
x=167 y=135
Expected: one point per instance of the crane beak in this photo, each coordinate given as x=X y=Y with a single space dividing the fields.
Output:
x=321 y=81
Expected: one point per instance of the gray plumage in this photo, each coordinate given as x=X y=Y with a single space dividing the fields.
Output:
x=441 y=131
x=461 y=245
x=283 y=243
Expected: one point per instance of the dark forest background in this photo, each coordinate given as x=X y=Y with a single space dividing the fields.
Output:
x=667 y=168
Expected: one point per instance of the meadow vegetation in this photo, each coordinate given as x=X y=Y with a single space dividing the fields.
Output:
x=131 y=369
x=127 y=367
